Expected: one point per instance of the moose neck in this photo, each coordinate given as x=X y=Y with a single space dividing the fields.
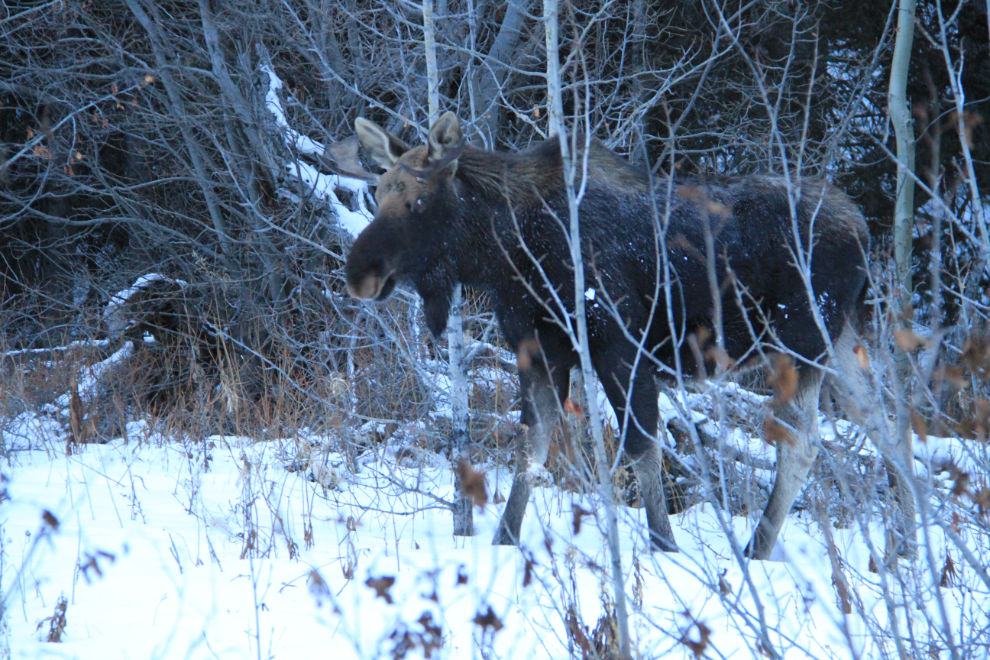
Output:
x=500 y=216
x=497 y=194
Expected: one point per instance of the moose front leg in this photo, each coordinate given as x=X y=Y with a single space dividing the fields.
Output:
x=541 y=413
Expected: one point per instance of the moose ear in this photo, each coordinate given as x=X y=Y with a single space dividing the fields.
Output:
x=384 y=148
x=445 y=134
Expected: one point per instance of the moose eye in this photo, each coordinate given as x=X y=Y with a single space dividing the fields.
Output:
x=419 y=202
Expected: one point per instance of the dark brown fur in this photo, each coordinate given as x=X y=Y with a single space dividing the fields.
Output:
x=450 y=213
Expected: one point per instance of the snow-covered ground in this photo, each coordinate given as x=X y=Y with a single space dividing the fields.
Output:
x=224 y=548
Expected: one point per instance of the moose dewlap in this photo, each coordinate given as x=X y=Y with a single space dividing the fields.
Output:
x=770 y=268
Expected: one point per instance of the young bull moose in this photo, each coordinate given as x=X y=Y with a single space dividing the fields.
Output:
x=450 y=213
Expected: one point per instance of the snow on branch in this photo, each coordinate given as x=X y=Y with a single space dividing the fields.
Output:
x=323 y=186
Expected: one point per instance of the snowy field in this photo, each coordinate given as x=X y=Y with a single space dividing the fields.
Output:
x=224 y=548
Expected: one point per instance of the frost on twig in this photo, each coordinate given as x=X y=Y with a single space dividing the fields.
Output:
x=323 y=186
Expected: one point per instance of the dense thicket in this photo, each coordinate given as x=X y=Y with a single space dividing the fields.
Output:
x=134 y=138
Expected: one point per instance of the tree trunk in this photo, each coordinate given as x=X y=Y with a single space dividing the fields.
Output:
x=580 y=326
x=459 y=411
x=492 y=76
x=460 y=436
x=900 y=117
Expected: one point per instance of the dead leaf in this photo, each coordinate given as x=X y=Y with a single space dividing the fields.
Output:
x=783 y=378
x=50 y=519
x=950 y=574
x=318 y=588
x=573 y=407
x=488 y=620
x=862 y=356
x=908 y=341
x=919 y=425
x=528 y=571
x=576 y=632
x=56 y=621
x=579 y=514
x=718 y=356
x=954 y=374
x=472 y=482
x=697 y=646
x=432 y=639
x=960 y=482
x=381 y=586
x=970 y=121
x=976 y=354
x=982 y=500
x=724 y=587
x=76 y=413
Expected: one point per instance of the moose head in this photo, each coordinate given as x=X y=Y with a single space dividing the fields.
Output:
x=411 y=235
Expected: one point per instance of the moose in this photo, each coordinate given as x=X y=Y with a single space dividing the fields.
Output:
x=678 y=274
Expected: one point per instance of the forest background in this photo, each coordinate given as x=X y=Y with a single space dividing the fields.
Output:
x=139 y=155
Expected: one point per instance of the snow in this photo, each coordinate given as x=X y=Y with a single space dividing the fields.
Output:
x=91 y=376
x=121 y=297
x=941 y=453
x=82 y=343
x=164 y=521
x=228 y=547
x=114 y=317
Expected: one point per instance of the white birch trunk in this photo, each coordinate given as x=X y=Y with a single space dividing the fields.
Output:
x=460 y=436
x=459 y=410
x=580 y=326
x=900 y=117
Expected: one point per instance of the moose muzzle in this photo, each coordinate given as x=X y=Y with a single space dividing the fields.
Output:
x=370 y=284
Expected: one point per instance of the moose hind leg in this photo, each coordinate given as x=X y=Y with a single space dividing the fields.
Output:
x=649 y=473
x=541 y=412
x=640 y=442
x=857 y=394
x=797 y=446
